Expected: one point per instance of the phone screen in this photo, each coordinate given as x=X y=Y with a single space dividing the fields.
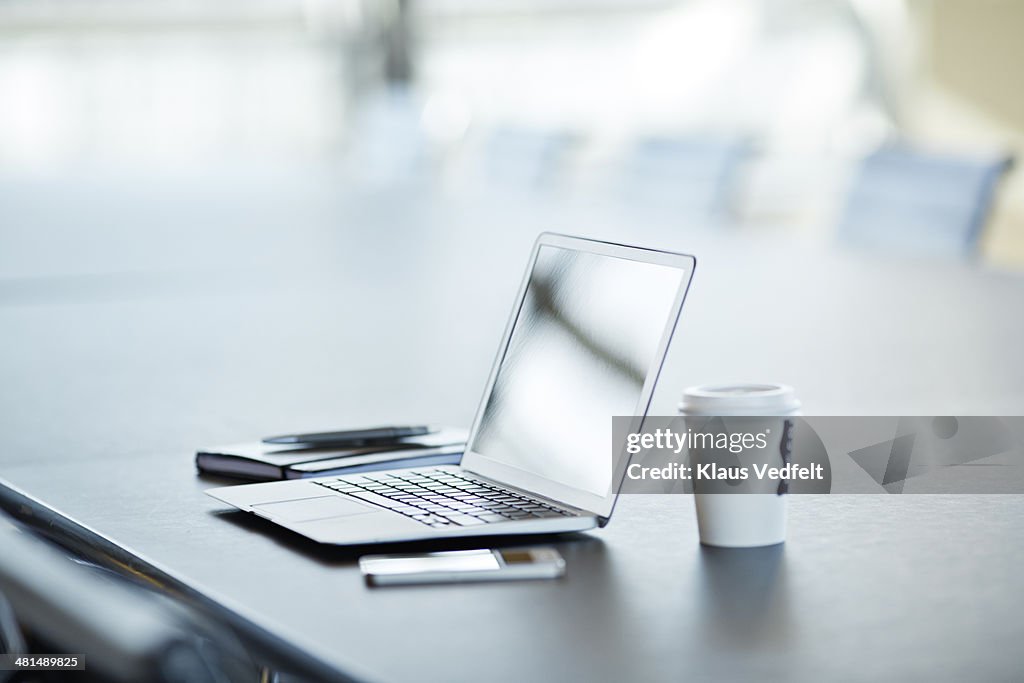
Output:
x=453 y=561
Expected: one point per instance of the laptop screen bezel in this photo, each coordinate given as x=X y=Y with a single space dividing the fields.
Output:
x=479 y=463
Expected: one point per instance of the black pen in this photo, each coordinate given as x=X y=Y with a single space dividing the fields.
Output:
x=352 y=437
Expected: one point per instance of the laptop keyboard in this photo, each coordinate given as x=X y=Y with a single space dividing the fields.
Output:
x=441 y=498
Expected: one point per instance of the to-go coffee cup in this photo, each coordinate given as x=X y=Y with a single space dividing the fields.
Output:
x=756 y=516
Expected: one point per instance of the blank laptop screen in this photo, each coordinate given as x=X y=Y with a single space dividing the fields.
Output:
x=585 y=337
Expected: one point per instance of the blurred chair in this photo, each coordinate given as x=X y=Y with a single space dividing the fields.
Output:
x=528 y=158
x=915 y=202
x=388 y=144
x=12 y=641
x=124 y=634
x=692 y=176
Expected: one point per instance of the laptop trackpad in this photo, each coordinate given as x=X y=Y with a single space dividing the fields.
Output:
x=307 y=509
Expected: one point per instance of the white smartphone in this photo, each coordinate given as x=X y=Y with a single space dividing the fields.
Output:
x=462 y=565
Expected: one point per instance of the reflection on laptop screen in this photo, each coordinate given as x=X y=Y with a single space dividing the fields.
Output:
x=586 y=335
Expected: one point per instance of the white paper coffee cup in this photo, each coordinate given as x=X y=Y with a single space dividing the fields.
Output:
x=743 y=520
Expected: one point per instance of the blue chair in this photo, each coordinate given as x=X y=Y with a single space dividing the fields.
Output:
x=914 y=202
x=528 y=158
x=692 y=176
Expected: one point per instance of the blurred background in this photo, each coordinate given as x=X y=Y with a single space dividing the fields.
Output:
x=859 y=122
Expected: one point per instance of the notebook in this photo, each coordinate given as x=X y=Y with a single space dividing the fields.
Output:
x=257 y=461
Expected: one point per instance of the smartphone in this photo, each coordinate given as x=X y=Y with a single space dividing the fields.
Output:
x=457 y=566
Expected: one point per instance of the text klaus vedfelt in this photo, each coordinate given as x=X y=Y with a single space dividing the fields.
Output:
x=735 y=443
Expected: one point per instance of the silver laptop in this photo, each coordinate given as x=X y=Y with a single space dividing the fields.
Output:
x=586 y=341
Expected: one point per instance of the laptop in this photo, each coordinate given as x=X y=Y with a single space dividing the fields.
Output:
x=586 y=341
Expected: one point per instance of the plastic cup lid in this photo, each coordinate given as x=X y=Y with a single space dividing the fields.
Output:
x=739 y=399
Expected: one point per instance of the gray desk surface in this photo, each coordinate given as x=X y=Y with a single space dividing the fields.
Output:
x=123 y=349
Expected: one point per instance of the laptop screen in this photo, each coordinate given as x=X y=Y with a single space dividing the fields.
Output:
x=584 y=339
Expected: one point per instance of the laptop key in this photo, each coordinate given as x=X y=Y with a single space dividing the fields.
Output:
x=431 y=519
x=448 y=514
x=371 y=497
x=466 y=520
x=491 y=517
